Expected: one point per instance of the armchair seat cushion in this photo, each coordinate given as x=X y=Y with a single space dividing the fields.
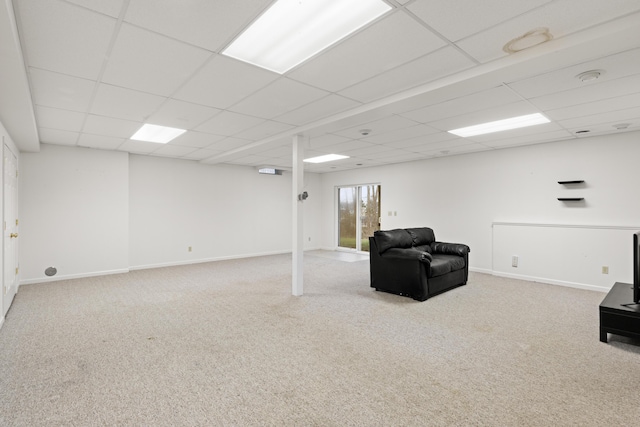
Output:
x=443 y=264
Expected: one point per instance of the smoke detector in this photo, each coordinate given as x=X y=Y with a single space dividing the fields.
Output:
x=621 y=126
x=589 y=76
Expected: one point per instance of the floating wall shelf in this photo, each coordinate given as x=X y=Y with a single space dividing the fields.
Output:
x=570 y=199
x=571 y=182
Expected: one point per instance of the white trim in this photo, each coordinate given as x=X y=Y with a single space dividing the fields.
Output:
x=203 y=260
x=586 y=226
x=1 y=321
x=552 y=282
x=72 y=276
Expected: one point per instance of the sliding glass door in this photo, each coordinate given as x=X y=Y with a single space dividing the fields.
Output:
x=358 y=216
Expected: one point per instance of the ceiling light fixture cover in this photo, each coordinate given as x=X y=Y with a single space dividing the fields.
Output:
x=155 y=133
x=326 y=158
x=528 y=39
x=500 y=125
x=292 y=31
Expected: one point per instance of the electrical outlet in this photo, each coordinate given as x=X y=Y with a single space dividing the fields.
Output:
x=605 y=269
x=514 y=261
x=189 y=249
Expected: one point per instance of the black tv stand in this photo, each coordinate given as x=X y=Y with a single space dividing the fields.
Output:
x=619 y=316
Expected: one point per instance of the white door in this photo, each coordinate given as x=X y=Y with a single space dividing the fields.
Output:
x=10 y=261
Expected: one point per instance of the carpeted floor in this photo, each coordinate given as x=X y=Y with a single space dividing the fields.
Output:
x=224 y=343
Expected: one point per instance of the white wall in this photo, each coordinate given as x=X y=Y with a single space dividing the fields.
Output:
x=460 y=197
x=74 y=212
x=89 y=212
x=221 y=211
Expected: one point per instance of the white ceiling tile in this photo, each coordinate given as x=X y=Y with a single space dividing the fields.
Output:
x=365 y=150
x=229 y=144
x=111 y=7
x=100 y=141
x=173 y=151
x=387 y=44
x=196 y=139
x=377 y=127
x=587 y=122
x=421 y=140
x=317 y=110
x=464 y=104
x=590 y=108
x=139 y=147
x=251 y=160
x=605 y=128
x=52 y=40
x=459 y=149
x=461 y=18
x=108 y=126
x=228 y=123
x=325 y=140
x=205 y=23
x=223 y=82
x=441 y=145
x=279 y=97
x=433 y=66
x=501 y=112
x=200 y=154
x=151 y=63
x=509 y=141
x=615 y=66
x=57 y=136
x=562 y=17
x=348 y=146
x=182 y=115
x=263 y=130
x=589 y=93
x=121 y=103
x=400 y=134
x=54 y=118
x=60 y=90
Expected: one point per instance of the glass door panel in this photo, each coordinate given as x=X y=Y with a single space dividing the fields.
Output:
x=347 y=215
x=358 y=216
x=369 y=214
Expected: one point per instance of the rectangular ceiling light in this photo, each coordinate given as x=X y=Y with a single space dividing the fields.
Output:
x=325 y=158
x=155 y=133
x=292 y=31
x=500 y=125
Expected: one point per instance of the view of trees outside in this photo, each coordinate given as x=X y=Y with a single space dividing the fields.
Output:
x=369 y=215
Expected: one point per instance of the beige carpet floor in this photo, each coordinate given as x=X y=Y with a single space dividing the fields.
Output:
x=225 y=344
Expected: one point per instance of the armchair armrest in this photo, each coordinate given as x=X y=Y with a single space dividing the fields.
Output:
x=450 y=248
x=408 y=254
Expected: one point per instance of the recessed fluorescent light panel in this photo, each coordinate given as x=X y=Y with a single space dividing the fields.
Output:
x=155 y=133
x=500 y=125
x=326 y=158
x=292 y=31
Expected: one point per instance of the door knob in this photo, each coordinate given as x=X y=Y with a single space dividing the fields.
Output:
x=12 y=235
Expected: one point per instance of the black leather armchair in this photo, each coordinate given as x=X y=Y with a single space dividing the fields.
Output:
x=412 y=263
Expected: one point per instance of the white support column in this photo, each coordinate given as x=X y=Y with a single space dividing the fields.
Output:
x=298 y=230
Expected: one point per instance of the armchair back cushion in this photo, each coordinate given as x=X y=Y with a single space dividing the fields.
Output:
x=397 y=238
x=421 y=236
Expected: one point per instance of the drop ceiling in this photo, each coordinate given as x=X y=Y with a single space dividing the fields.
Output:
x=89 y=73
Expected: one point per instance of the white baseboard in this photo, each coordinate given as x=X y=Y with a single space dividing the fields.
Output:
x=202 y=260
x=72 y=276
x=1 y=321
x=552 y=281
